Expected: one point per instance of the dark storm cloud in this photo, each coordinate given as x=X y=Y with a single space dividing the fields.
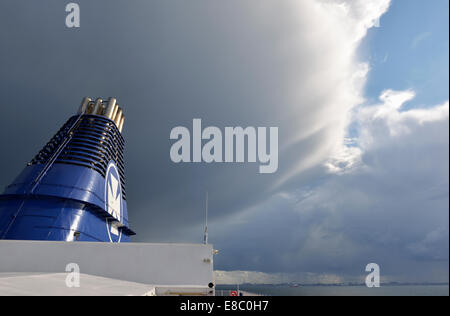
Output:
x=167 y=63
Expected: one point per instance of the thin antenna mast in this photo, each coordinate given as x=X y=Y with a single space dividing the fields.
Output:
x=205 y=238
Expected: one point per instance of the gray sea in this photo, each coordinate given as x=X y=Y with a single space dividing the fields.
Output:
x=312 y=290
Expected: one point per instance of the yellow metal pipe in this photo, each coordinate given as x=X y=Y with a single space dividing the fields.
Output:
x=110 y=107
x=121 y=123
x=118 y=117
x=90 y=107
x=113 y=115
x=84 y=105
x=98 y=106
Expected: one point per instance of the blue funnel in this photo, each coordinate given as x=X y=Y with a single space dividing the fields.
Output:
x=74 y=188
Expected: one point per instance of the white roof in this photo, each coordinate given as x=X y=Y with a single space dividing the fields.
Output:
x=51 y=284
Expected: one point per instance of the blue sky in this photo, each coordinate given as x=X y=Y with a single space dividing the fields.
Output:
x=410 y=51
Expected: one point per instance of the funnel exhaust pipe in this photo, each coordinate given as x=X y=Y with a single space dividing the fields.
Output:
x=98 y=107
x=122 y=119
x=118 y=116
x=108 y=108
x=84 y=105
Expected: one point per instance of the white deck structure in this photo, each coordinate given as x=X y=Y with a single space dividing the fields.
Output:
x=39 y=268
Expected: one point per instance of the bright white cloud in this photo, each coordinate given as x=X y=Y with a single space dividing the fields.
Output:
x=326 y=95
x=390 y=117
x=386 y=119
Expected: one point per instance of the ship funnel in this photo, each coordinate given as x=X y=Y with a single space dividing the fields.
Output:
x=74 y=188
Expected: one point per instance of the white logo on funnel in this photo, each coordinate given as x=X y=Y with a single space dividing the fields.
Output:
x=113 y=201
x=114 y=196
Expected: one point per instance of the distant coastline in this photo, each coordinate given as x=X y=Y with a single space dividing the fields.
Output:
x=338 y=284
x=344 y=289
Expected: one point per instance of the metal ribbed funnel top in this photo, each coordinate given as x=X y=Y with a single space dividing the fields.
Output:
x=109 y=109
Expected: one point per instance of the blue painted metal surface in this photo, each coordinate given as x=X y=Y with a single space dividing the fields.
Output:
x=73 y=189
